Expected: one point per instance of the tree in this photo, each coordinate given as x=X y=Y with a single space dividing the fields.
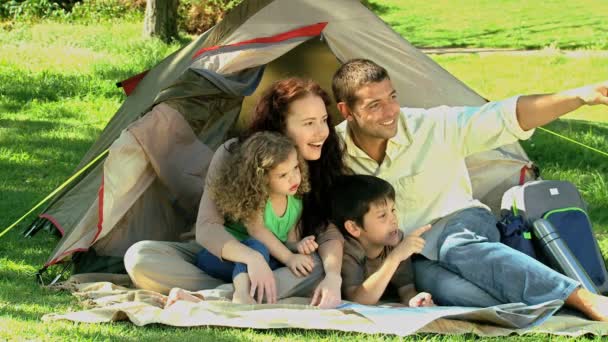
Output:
x=161 y=19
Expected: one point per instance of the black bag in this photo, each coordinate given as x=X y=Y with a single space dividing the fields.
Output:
x=560 y=203
x=515 y=234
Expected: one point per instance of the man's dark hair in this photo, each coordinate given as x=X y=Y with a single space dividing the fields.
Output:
x=353 y=75
x=352 y=196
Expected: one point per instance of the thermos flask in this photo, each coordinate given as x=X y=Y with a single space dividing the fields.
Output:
x=559 y=255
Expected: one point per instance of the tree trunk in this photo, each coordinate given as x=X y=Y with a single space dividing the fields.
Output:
x=161 y=19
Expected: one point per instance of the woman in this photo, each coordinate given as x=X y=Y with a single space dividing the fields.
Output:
x=298 y=109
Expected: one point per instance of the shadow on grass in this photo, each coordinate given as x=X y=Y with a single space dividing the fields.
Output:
x=10 y=107
x=466 y=39
x=33 y=135
x=47 y=86
x=22 y=86
x=376 y=7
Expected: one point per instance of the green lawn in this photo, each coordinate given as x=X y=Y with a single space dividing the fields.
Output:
x=497 y=76
x=499 y=23
x=57 y=92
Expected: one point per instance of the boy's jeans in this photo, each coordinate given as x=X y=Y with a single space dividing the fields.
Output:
x=470 y=247
x=228 y=270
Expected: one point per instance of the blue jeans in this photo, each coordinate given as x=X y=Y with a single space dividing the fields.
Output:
x=228 y=270
x=448 y=288
x=469 y=247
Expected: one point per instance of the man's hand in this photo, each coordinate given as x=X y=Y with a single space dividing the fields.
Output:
x=307 y=245
x=262 y=280
x=300 y=264
x=593 y=94
x=411 y=243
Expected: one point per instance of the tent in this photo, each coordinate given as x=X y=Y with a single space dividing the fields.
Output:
x=161 y=139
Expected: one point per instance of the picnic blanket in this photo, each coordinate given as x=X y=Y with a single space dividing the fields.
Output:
x=107 y=302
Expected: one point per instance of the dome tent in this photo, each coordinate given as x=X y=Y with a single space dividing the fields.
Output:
x=162 y=138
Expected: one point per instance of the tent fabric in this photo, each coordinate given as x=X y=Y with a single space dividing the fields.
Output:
x=155 y=165
x=196 y=98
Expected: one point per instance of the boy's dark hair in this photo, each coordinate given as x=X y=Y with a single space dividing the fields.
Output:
x=352 y=196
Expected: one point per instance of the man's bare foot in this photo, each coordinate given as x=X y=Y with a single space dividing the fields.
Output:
x=241 y=297
x=593 y=305
x=180 y=294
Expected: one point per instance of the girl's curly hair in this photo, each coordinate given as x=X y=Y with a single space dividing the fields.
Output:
x=241 y=187
x=271 y=113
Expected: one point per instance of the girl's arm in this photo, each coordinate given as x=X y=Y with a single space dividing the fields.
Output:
x=292 y=240
x=257 y=230
x=296 y=244
x=299 y=264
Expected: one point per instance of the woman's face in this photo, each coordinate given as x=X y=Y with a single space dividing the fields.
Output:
x=307 y=125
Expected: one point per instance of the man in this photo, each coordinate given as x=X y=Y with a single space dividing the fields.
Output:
x=421 y=153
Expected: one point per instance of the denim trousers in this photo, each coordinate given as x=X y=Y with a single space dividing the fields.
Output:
x=475 y=269
x=228 y=270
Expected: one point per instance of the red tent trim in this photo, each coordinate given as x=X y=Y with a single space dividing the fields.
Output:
x=54 y=222
x=306 y=31
x=129 y=85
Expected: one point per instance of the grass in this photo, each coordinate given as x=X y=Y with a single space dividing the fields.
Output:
x=498 y=23
x=497 y=76
x=57 y=93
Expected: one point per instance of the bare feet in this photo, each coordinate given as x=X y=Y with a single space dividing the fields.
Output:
x=421 y=299
x=593 y=305
x=180 y=294
x=242 y=297
x=241 y=290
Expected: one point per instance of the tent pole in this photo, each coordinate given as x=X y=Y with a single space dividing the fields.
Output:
x=68 y=181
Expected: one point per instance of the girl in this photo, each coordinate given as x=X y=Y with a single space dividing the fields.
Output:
x=258 y=191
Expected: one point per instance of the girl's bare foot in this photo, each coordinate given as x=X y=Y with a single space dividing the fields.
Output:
x=241 y=290
x=242 y=297
x=180 y=294
x=593 y=305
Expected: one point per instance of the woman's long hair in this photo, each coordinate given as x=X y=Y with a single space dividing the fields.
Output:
x=270 y=114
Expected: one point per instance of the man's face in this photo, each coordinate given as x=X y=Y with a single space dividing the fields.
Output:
x=380 y=227
x=376 y=112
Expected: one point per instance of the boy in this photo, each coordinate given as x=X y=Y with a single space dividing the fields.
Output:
x=376 y=254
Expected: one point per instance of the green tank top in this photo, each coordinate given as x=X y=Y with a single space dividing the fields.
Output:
x=279 y=226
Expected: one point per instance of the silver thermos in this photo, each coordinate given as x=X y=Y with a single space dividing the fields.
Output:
x=559 y=255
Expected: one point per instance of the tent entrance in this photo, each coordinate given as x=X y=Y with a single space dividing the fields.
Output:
x=312 y=59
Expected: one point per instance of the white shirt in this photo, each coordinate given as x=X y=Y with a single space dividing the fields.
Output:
x=425 y=160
